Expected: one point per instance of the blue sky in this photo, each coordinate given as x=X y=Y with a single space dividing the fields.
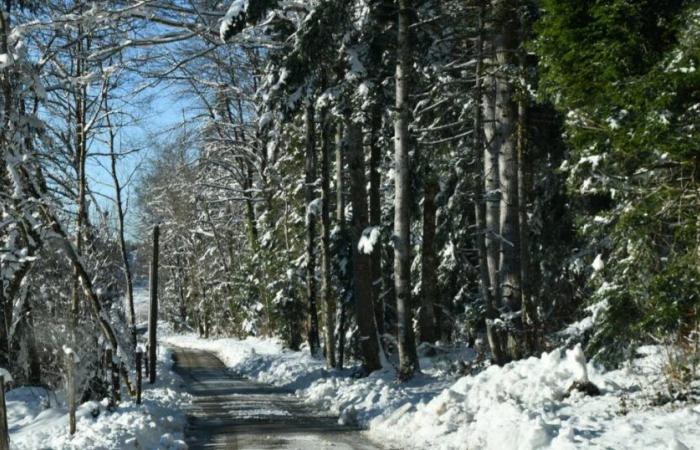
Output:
x=166 y=111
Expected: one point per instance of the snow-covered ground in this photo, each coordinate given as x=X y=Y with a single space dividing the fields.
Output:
x=523 y=405
x=38 y=419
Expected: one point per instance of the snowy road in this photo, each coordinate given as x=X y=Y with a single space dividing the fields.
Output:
x=231 y=412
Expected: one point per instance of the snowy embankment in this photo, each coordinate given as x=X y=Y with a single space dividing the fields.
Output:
x=38 y=419
x=523 y=405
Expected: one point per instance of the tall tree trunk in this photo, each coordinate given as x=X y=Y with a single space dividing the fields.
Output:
x=80 y=160
x=362 y=276
x=529 y=310
x=250 y=218
x=492 y=191
x=375 y=212
x=342 y=240
x=506 y=113
x=428 y=326
x=131 y=313
x=310 y=181
x=408 y=357
x=6 y=294
x=34 y=369
x=327 y=299
x=4 y=323
x=486 y=191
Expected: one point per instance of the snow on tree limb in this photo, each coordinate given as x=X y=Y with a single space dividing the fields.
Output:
x=236 y=13
x=242 y=13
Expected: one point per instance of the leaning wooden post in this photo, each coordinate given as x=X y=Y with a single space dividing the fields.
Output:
x=153 y=310
x=109 y=372
x=71 y=362
x=146 y=365
x=4 y=433
x=139 y=358
x=116 y=387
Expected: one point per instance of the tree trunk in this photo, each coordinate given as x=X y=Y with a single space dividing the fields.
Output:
x=153 y=307
x=5 y=322
x=362 y=276
x=492 y=191
x=506 y=118
x=486 y=192
x=327 y=298
x=408 y=357
x=34 y=369
x=251 y=220
x=529 y=310
x=342 y=231
x=375 y=212
x=310 y=181
x=428 y=327
x=131 y=313
x=80 y=160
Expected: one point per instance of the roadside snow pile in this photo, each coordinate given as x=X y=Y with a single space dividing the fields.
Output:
x=523 y=405
x=526 y=405
x=38 y=418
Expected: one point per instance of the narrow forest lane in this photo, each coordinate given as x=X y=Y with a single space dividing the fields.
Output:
x=230 y=412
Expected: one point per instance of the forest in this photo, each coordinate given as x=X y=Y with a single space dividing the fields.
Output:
x=375 y=184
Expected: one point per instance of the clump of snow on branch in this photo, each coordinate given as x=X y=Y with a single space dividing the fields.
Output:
x=598 y=264
x=233 y=14
x=314 y=208
x=369 y=238
x=6 y=375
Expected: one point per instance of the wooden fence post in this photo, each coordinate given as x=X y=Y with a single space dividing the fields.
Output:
x=139 y=357
x=146 y=362
x=153 y=310
x=4 y=433
x=116 y=387
x=113 y=374
x=70 y=381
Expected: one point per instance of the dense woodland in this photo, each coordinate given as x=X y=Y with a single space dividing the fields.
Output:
x=372 y=179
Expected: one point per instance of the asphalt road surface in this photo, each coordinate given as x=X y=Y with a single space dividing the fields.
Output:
x=232 y=412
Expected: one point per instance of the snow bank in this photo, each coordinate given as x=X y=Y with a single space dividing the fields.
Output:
x=38 y=418
x=523 y=405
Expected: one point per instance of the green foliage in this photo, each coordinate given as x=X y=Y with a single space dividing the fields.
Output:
x=625 y=74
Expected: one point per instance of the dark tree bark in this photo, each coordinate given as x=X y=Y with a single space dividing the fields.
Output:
x=310 y=181
x=327 y=298
x=427 y=324
x=408 y=357
x=342 y=233
x=529 y=309
x=506 y=113
x=362 y=276
x=375 y=212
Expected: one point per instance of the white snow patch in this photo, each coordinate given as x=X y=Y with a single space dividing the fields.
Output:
x=598 y=263
x=369 y=238
x=38 y=418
